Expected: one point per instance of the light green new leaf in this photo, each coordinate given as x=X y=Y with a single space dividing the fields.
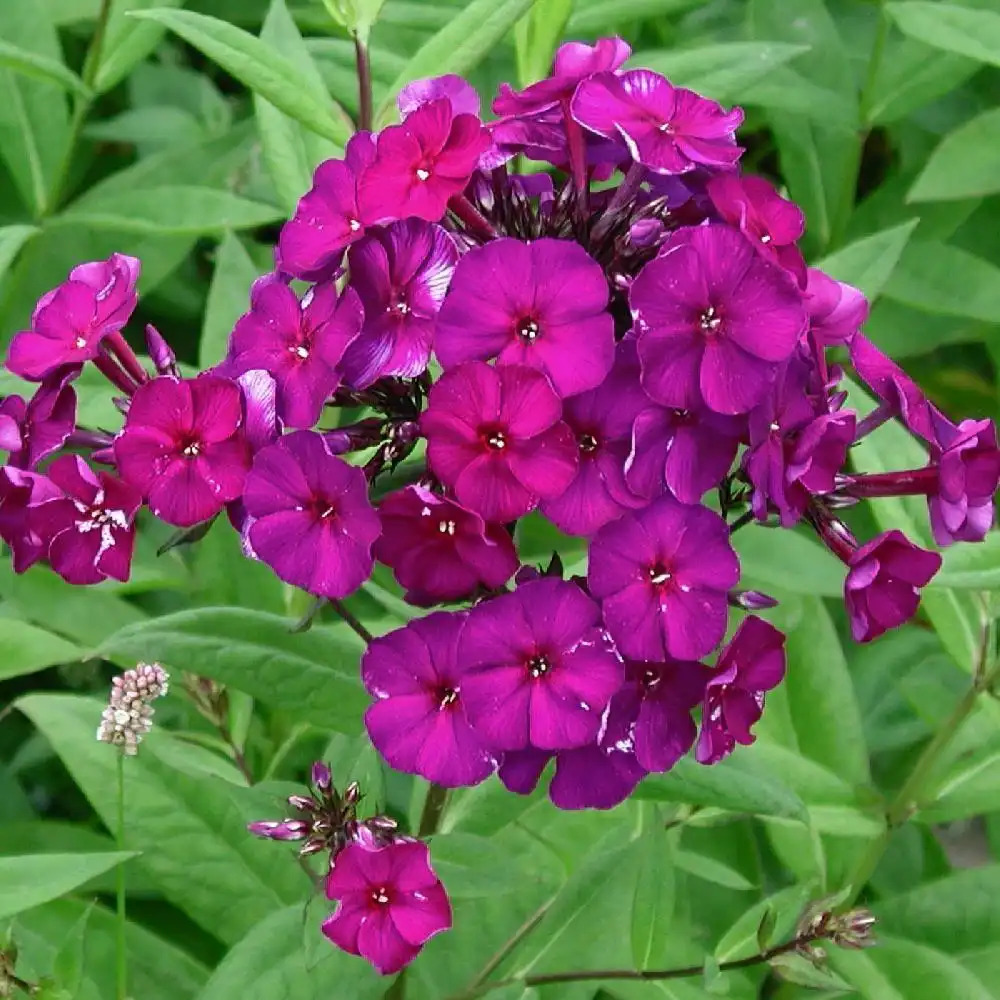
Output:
x=965 y=165
x=868 y=263
x=41 y=68
x=171 y=209
x=228 y=298
x=30 y=880
x=967 y=31
x=255 y=64
x=971 y=567
x=741 y=939
x=711 y=870
x=26 y=648
x=12 y=238
x=127 y=41
x=185 y=810
x=536 y=37
x=313 y=675
x=459 y=46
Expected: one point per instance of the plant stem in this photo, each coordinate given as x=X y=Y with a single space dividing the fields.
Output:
x=434 y=805
x=364 y=84
x=351 y=620
x=511 y=943
x=122 y=957
x=239 y=757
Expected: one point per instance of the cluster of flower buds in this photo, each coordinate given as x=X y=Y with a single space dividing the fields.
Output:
x=390 y=900
x=129 y=713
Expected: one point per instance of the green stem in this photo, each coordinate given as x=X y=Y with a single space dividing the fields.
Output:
x=434 y=805
x=122 y=958
x=364 y=84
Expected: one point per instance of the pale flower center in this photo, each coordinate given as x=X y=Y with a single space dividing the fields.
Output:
x=380 y=895
x=446 y=527
x=528 y=330
x=539 y=666
x=422 y=174
x=710 y=320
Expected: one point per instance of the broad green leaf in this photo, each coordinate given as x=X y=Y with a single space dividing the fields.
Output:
x=178 y=210
x=41 y=68
x=29 y=880
x=127 y=41
x=970 y=788
x=291 y=151
x=721 y=72
x=788 y=561
x=467 y=38
x=189 y=821
x=917 y=971
x=26 y=648
x=536 y=37
x=971 y=567
x=313 y=675
x=868 y=263
x=259 y=67
x=652 y=894
x=741 y=939
x=12 y=238
x=711 y=870
x=969 y=32
x=858 y=969
x=228 y=298
x=468 y=865
x=784 y=89
x=270 y=963
x=965 y=165
x=597 y=17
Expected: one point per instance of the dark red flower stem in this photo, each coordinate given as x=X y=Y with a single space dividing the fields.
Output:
x=114 y=373
x=834 y=534
x=118 y=346
x=349 y=618
x=364 y=71
x=883 y=413
x=83 y=438
x=912 y=482
x=474 y=221
x=577 y=160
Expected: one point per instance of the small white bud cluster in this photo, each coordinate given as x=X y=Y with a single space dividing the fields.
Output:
x=129 y=715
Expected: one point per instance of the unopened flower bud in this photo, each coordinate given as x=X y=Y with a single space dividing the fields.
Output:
x=128 y=715
x=853 y=929
x=311 y=847
x=322 y=779
x=352 y=793
x=288 y=829
x=751 y=600
x=303 y=803
x=160 y=353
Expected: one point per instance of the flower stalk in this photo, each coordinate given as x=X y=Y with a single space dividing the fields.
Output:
x=121 y=951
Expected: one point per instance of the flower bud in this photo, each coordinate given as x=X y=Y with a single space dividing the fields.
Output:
x=322 y=779
x=160 y=353
x=288 y=829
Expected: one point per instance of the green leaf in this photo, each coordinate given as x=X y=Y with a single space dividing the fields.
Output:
x=653 y=894
x=33 y=879
x=596 y=17
x=536 y=37
x=468 y=866
x=965 y=165
x=180 y=210
x=313 y=675
x=12 y=238
x=291 y=151
x=917 y=971
x=459 y=46
x=189 y=821
x=127 y=41
x=41 y=68
x=26 y=648
x=255 y=64
x=789 y=561
x=228 y=298
x=971 y=567
x=721 y=72
x=741 y=939
x=711 y=870
x=67 y=967
x=868 y=263
x=972 y=33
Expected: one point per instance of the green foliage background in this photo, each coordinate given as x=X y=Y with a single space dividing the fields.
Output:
x=184 y=136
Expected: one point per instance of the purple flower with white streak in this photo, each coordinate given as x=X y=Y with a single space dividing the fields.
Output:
x=401 y=273
x=459 y=93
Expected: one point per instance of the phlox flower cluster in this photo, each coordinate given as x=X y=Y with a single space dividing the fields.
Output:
x=626 y=341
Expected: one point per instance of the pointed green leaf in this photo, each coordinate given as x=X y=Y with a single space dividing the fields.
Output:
x=26 y=648
x=41 y=67
x=868 y=263
x=965 y=165
x=127 y=41
x=967 y=31
x=653 y=895
x=228 y=298
x=536 y=37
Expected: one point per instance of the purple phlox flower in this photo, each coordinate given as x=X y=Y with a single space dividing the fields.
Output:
x=689 y=451
x=299 y=343
x=836 y=310
x=34 y=430
x=968 y=470
x=540 y=669
x=418 y=722
x=71 y=320
x=327 y=219
x=753 y=662
x=601 y=421
x=574 y=61
x=542 y=304
x=421 y=163
x=714 y=319
x=495 y=437
x=183 y=447
x=391 y=903
x=401 y=273
x=819 y=451
x=260 y=408
x=458 y=92
x=881 y=589
x=667 y=129
x=770 y=222
x=662 y=575
x=900 y=394
x=20 y=491
x=88 y=529
x=438 y=550
x=309 y=515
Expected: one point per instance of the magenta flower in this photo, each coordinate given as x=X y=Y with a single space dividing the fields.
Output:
x=420 y=164
x=666 y=128
x=753 y=662
x=819 y=452
x=327 y=219
x=438 y=550
x=34 y=430
x=183 y=447
x=601 y=421
x=20 y=492
x=309 y=516
x=495 y=437
x=459 y=93
x=418 y=723
x=391 y=903
x=542 y=304
x=260 y=408
x=401 y=273
x=662 y=575
x=836 y=310
x=88 y=529
x=574 y=61
x=881 y=589
x=540 y=670
x=715 y=320
x=772 y=223
x=70 y=321
x=299 y=343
